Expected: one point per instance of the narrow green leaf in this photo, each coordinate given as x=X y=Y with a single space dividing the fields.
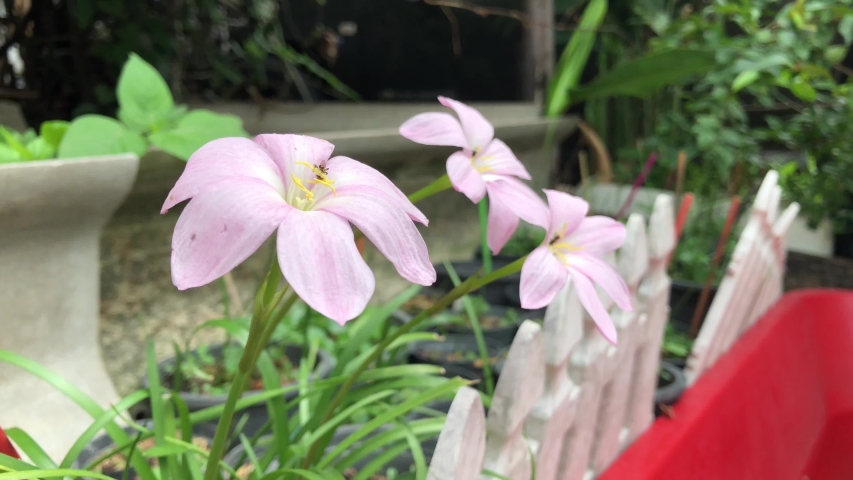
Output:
x=164 y=451
x=13 y=142
x=644 y=76
x=574 y=58
x=492 y=474
x=13 y=464
x=194 y=130
x=421 y=428
x=64 y=472
x=310 y=475
x=343 y=416
x=91 y=135
x=275 y=406
x=417 y=453
x=32 y=449
x=374 y=466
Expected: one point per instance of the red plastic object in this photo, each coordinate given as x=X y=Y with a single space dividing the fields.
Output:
x=778 y=405
x=6 y=446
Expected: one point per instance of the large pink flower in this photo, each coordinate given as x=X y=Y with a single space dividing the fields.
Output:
x=573 y=247
x=485 y=165
x=243 y=190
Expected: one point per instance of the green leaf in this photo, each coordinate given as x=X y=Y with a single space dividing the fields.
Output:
x=31 y=449
x=8 y=154
x=143 y=96
x=165 y=451
x=744 y=79
x=13 y=140
x=52 y=132
x=644 y=76
x=845 y=28
x=194 y=130
x=65 y=472
x=574 y=58
x=835 y=54
x=91 y=135
x=801 y=88
x=40 y=150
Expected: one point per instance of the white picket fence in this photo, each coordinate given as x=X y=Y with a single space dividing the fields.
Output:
x=753 y=280
x=574 y=401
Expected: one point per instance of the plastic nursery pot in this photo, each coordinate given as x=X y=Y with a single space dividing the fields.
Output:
x=115 y=466
x=493 y=292
x=683 y=300
x=459 y=356
x=402 y=463
x=501 y=333
x=257 y=414
x=671 y=385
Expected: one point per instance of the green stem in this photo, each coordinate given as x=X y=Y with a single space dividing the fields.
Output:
x=483 y=206
x=439 y=185
x=473 y=283
x=217 y=449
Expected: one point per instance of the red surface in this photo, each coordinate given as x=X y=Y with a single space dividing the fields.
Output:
x=778 y=405
x=6 y=446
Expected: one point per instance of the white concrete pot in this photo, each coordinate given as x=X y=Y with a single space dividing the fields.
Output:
x=51 y=217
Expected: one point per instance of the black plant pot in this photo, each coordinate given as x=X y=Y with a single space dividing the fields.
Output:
x=493 y=292
x=683 y=300
x=496 y=259
x=500 y=336
x=669 y=390
x=513 y=295
x=844 y=245
x=102 y=444
x=402 y=462
x=257 y=414
x=468 y=365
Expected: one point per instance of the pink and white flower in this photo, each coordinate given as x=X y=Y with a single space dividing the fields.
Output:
x=573 y=247
x=485 y=165
x=242 y=191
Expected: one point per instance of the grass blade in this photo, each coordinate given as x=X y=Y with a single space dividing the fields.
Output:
x=32 y=449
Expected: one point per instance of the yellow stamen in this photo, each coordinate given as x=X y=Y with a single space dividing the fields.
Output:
x=324 y=181
x=320 y=177
x=561 y=257
x=566 y=246
x=298 y=182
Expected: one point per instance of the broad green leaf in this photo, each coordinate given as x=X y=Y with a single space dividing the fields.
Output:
x=801 y=88
x=646 y=75
x=744 y=79
x=52 y=132
x=13 y=141
x=8 y=154
x=91 y=135
x=194 y=130
x=835 y=54
x=845 y=28
x=143 y=96
x=40 y=150
x=574 y=58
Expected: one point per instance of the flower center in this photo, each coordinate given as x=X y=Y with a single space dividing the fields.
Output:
x=479 y=162
x=321 y=177
x=561 y=248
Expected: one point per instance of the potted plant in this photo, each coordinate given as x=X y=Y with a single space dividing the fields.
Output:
x=460 y=353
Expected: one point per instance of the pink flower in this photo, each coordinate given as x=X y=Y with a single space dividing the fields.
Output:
x=242 y=191
x=573 y=248
x=484 y=165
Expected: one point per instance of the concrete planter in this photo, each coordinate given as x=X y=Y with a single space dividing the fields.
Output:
x=607 y=199
x=52 y=214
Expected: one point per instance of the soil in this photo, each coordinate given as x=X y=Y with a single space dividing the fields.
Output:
x=351 y=473
x=419 y=303
x=116 y=465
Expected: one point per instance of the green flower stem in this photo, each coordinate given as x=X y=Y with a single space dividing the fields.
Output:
x=483 y=206
x=264 y=321
x=473 y=283
x=439 y=185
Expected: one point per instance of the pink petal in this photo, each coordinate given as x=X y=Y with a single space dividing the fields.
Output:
x=519 y=198
x=388 y=227
x=221 y=227
x=567 y=212
x=434 y=129
x=319 y=259
x=598 y=235
x=464 y=178
x=478 y=131
x=502 y=223
x=288 y=149
x=346 y=171
x=222 y=159
x=498 y=159
x=542 y=277
x=604 y=275
x=590 y=301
